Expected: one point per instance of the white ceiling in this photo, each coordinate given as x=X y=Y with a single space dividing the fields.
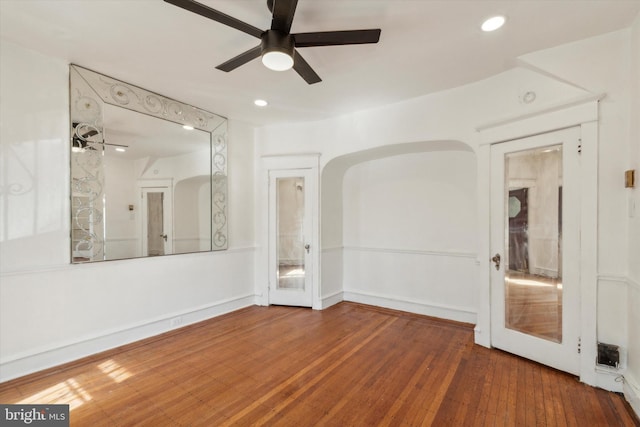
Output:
x=426 y=46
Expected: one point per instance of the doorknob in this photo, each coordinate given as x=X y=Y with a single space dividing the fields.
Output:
x=307 y=246
x=496 y=260
x=164 y=236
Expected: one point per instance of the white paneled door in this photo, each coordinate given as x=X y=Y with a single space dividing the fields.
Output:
x=290 y=237
x=535 y=243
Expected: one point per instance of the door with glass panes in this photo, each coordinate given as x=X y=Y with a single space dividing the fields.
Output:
x=290 y=221
x=536 y=249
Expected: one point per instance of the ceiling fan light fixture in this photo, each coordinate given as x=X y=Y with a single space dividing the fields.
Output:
x=277 y=61
x=277 y=50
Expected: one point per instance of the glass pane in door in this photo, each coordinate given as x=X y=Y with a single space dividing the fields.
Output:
x=290 y=233
x=533 y=242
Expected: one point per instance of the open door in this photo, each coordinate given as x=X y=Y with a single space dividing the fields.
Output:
x=535 y=241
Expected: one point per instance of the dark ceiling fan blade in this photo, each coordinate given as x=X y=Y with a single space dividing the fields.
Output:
x=207 y=12
x=283 y=11
x=303 y=68
x=336 y=38
x=241 y=59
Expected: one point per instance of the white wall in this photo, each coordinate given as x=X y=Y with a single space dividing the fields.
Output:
x=122 y=237
x=192 y=214
x=409 y=228
x=51 y=311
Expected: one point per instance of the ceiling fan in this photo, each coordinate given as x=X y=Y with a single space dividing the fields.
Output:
x=278 y=45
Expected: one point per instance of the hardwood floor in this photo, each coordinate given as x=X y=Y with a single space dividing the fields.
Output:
x=349 y=365
x=534 y=305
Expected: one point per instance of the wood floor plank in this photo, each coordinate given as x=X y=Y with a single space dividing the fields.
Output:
x=348 y=365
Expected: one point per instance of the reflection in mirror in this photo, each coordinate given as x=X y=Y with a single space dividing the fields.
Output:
x=533 y=277
x=142 y=183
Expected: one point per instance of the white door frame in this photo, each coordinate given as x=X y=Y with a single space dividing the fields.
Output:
x=582 y=113
x=277 y=163
x=293 y=297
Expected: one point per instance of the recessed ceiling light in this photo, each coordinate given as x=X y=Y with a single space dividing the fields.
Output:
x=493 y=24
x=260 y=102
x=120 y=149
x=187 y=127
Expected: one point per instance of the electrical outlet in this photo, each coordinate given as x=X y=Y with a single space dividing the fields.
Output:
x=176 y=321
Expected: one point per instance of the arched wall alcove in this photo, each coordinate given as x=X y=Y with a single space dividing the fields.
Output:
x=399 y=227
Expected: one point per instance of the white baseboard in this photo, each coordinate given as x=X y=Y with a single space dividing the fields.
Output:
x=24 y=364
x=333 y=299
x=459 y=314
x=631 y=390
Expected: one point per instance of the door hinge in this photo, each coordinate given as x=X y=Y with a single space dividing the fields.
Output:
x=579 y=145
x=579 y=344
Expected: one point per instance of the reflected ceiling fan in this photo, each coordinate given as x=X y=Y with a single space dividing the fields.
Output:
x=278 y=45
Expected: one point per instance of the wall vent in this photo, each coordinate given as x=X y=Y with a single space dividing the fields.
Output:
x=608 y=355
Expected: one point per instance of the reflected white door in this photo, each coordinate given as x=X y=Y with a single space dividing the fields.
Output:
x=290 y=218
x=535 y=247
x=157 y=221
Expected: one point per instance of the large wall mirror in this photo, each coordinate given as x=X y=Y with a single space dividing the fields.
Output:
x=148 y=173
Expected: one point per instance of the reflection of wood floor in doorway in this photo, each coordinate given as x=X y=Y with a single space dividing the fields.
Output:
x=534 y=305
x=291 y=276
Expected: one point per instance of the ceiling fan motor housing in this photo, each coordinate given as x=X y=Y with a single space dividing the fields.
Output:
x=273 y=40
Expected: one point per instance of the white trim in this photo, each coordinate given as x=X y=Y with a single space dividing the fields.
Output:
x=558 y=118
x=53 y=355
x=589 y=250
x=413 y=252
x=550 y=109
x=613 y=278
x=100 y=264
x=290 y=162
x=631 y=391
x=288 y=155
x=332 y=299
x=411 y=305
x=607 y=379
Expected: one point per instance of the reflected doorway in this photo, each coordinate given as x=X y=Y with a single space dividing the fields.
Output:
x=156 y=221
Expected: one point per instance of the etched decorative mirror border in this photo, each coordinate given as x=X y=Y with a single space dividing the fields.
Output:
x=88 y=93
x=125 y=95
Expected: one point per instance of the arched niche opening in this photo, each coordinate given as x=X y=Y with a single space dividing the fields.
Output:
x=399 y=228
